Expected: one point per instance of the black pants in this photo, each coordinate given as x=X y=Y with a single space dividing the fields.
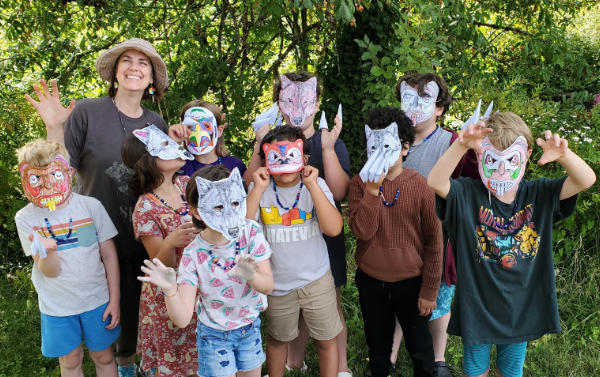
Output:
x=131 y=288
x=380 y=302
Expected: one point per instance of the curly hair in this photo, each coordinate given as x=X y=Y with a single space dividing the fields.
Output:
x=284 y=133
x=382 y=117
x=209 y=172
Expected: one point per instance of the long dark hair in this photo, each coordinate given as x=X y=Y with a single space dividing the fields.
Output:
x=146 y=176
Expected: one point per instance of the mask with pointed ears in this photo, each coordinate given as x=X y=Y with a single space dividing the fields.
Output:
x=383 y=150
x=298 y=100
x=158 y=144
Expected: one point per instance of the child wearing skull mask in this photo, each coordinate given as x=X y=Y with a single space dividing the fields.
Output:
x=296 y=208
x=398 y=249
x=75 y=270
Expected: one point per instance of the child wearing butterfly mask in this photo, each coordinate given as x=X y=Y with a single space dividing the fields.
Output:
x=75 y=267
x=163 y=224
x=228 y=264
x=502 y=227
x=204 y=124
x=296 y=209
x=398 y=247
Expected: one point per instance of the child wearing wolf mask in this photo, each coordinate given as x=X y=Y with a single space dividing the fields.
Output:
x=75 y=267
x=163 y=224
x=296 y=209
x=227 y=263
x=398 y=247
x=502 y=229
x=297 y=95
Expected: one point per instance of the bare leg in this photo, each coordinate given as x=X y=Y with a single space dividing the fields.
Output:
x=249 y=373
x=328 y=357
x=396 y=342
x=70 y=364
x=276 y=356
x=297 y=347
x=342 y=337
x=105 y=362
x=438 y=328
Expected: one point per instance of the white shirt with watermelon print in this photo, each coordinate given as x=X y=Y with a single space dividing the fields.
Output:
x=226 y=302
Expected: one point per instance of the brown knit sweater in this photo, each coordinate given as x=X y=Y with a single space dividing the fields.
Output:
x=399 y=242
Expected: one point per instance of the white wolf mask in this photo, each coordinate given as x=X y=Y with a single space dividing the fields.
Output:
x=222 y=204
x=158 y=144
x=383 y=150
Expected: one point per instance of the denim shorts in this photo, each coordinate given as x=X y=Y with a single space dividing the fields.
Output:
x=509 y=361
x=443 y=301
x=223 y=353
x=61 y=335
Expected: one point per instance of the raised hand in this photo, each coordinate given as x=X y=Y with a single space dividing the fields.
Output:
x=160 y=275
x=183 y=235
x=309 y=175
x=425 y=307
x=261 y=178
x=373 y=187
x=245 y=267
x=472 y=136
x=47 y=244
x=554 y=147
x=53 y=113
x=179 y=132
x=328 y=138
x=261 y=132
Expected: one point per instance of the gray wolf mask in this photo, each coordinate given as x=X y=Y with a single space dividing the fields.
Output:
x=383 y=150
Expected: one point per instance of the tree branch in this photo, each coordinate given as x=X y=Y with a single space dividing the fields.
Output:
x=507 y=28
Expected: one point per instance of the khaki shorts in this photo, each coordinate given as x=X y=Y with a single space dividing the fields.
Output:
x=318 y=303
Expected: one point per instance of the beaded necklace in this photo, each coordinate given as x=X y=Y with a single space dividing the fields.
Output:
x=295 y=202
x=164 y=202
x=60 y=240
x=215 y=259
x=388 y=204
x=424 y=140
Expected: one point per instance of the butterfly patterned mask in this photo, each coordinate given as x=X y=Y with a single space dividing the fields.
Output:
x=298 y=100
x=48 y=186
x=158 y=144
x=283 y=157
x=501 y=171
x=383 y=151
x=222 y=204
x=204 y=131
x=419 y=108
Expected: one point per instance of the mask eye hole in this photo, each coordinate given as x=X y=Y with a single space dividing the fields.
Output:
x=235 y=203
x=59 y=175
x=34 y=179
x=386 y=146
x=373 y=147
x=489 y=160
x=164 y=143
x=219 y=207
x=514 y=161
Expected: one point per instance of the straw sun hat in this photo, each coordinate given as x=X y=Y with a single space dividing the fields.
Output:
x=105 y=64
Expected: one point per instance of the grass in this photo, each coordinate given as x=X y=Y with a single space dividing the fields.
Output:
x=573 y=353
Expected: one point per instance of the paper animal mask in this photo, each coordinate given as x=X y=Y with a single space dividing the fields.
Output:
x=383 y=150
x=48 y=186
x=204 y=131
x=298 y=100
x=222 y=204
x=419 y=108
x=158 y=144
x=323 y=121
x=284 y=156
x=501 y=171
x=477 y=114
x=271 y=116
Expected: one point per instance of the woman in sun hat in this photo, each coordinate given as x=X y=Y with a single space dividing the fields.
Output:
x=93 y=130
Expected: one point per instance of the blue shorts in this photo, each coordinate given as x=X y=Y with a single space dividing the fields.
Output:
x=443 y=301
x=509 y=361
x=223 y=353
x=61 y=335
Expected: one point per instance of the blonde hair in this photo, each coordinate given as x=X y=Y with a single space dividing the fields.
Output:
x=40 y=152
x=507 y=128
x=220 y=148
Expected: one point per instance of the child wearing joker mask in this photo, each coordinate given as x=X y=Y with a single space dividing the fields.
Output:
x=297 y=96
x=204 y=124
x=161 y=221
x=296 y=209
x=425 y=99
x=398 y=247
x=75 y=270
x=227 y=263
x=502 y=227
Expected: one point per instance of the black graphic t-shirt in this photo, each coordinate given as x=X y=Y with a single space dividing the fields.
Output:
x=505 y=289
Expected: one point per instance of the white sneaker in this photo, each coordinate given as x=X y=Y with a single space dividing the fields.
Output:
x=345 y=374
x=302 y=369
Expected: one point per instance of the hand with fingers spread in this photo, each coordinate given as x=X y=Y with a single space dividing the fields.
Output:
x=112 y=310
x=328 y=138
x=53 y=113
x=182 y=236
x=245 y=267
x=554 y=147
x=160 y=275
x=179 y=132
x=425 y=307
x=472 y=136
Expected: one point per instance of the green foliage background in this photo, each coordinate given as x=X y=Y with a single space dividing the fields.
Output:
x=539 y=59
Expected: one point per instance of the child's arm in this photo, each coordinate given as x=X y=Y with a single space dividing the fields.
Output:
x=164 y=249
x=178 y=299
x=330 y=219
x=261 y=179
x=258 y=275
x=108 y=252
x=470 y=138
x=580 y=174
x=255 y=162
x=336 y=178
x=364 y=207
x=178 y=132
x=49 y=266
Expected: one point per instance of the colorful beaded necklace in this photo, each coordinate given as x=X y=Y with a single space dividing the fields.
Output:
x=388 y=204
x=215 y=259
x=164 y=202
x=60 y=240
x=295 y=202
